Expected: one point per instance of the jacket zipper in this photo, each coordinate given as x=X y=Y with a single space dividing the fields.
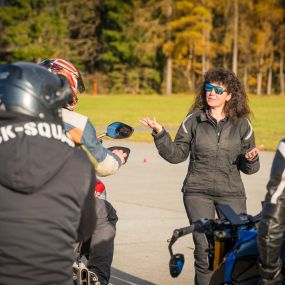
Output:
x=218 y=133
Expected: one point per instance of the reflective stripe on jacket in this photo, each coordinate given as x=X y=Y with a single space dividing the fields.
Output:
x=276 y=184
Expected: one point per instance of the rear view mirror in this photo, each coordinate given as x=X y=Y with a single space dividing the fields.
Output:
x=118 y=130
x=176 y=264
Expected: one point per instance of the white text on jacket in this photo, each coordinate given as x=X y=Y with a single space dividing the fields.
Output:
x=42 y=129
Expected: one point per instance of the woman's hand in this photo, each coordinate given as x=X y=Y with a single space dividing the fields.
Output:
x=152 y=124
x=253 y=153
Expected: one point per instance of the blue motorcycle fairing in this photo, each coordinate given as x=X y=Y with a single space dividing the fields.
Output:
x=246 y=245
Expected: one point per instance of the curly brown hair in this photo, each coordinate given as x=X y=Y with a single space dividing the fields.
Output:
x=237 y=106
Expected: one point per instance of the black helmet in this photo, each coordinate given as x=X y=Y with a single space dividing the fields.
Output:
x=30 y=89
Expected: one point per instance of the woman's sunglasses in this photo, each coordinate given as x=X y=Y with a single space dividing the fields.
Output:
x=218 y=89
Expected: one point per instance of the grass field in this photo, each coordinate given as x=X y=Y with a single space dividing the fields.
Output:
x=268 y=119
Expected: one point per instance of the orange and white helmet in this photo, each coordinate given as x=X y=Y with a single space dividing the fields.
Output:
x=61 y=66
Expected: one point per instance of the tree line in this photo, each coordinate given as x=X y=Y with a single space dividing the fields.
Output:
x=150 y=46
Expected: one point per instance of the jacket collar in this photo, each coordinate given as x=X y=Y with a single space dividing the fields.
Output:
x=206 y=116
x=203 y=116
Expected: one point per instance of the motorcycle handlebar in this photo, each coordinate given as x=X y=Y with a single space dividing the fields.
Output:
x=177 y=233
x=255 y=219
x=184 y=231
x=208 y=226
x=199 y=226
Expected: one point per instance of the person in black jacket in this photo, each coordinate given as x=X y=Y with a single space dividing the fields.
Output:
x=46 y=183
x=272 y=224
x=219 y=137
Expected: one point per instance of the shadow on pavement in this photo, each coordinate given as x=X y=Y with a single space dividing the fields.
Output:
x=123 y=278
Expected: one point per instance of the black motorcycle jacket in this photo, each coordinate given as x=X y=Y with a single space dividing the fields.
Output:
x=272 y=225
x=276 y=184
x=46 y=201
x=216 y=153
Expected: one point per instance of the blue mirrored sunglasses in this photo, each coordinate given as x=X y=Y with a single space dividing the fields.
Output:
x=218 y=89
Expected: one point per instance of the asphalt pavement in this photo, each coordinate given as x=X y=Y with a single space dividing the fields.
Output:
x=146 y=192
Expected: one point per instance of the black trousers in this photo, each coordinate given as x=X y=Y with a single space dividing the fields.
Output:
x=270 y=239
x=101 y=245
x=204 y=206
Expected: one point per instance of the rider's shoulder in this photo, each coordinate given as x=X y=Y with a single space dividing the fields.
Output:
x=193 y=115
x=73 y=118
x=190 y=121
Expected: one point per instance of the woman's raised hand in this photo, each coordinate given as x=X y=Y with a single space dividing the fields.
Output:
x=253 y=153
x=152 y=124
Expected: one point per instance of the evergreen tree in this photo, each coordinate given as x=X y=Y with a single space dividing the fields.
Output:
x=145 y=46
x=83 y=20
x=128 y=52
x=152 y=20
x=31 y=30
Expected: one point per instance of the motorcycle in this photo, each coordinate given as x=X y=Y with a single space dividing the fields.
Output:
x=232 y=252
x=81 y=274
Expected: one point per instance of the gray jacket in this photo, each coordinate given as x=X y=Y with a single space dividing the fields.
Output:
x=216 y=153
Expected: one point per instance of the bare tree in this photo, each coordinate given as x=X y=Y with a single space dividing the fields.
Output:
x=259 y=75
x=269 y=79
x=169 y=56
x=281 y=63
x=235 y=44
x=281 y=74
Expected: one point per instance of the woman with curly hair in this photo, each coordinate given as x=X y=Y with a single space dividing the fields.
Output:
x=219 y=137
